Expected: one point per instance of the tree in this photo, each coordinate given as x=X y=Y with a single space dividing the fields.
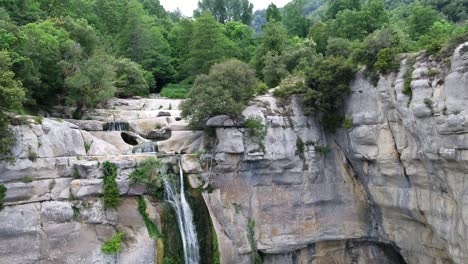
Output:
x=180 y=38
x=328 y=83
x=421 y=20
x=243 y=36
x=294 y=20
x=208 y=45
x=227 y=10
x=339 y=47
x=11 y=98
x=273 y=13
x=131 y=80
x=224 y=91
x=319 y=33
x=336 y=6
x=274 y=69
x=144 y=43
x=356 y=24
x=274 y=40
x=455 y=10
x=39 y=69
x=92 y=84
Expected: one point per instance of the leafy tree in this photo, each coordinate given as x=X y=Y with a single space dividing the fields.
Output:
x=80 y=31
x=319 y=33
x=421 y=20
x=339 y=47
x=274 y=40
x=294 y=20
x=273 y=13
x=42 y=50
x=91 y=84
x=356 y=24
x=11 y=98
x=328 y=83
x=455 y=10
x=274 y=69
x=23 y=11
x=243 y=36
x=131 y=78
x=225 y=90
x=227 y=10
x=336 y=6
x=144 y=43
x=209 y=45
x=180 y=38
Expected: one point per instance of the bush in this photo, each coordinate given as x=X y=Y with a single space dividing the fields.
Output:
x=148 y=174
x=3 y=190
x=153 y=231
x=175 y=91
x=224 y=91
x=131 y=80
x=386 y=60
x=113 y=245
x=27 y=179
x=328 y=87
x=111 y=189
x=347 y=123
x=260 y=88
x=290 y=85
x=255 y=127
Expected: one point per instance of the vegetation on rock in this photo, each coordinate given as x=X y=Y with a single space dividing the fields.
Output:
x=113 y=245
x=111 y=188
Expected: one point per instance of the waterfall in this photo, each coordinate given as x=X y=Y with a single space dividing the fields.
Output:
x=116 y=126
x=147 y=147
x=184 y=218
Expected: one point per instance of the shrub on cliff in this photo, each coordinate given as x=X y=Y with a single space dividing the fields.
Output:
x=111 y=188
x=224 y=91
x=113 y=245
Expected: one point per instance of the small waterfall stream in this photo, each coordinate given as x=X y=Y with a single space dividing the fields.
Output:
x=184 y=218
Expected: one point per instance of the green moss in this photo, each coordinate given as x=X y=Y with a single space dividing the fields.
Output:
x=153 y=231
x=113 y=245
x=148 y=174
x=111 y=189
x=347 y=123
x=38 y=120
x=27 y=179
x=76 y=213
x=256 y=258
x=3 y=190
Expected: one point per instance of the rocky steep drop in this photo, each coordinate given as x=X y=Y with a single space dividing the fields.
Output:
x=388 y=189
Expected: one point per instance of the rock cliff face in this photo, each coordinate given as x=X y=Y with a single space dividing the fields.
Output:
x=390 y=189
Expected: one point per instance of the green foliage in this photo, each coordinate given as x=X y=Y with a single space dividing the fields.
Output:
x=273 y=40
x=153 y=231
x=322 y=150
x=113 y=245
x=339 y=47
x=255 y=258
x=27 y=179
x=272 y=13
x=273 y=70
x=208 y=45
x=347 y=123
x=328 y=84
x=226 y=10
x=429 y=104
x=76 y=174
x=421 y=20
x=131 y=78
x=111 y=189
x=300 y=147
x=225 y=90
x=175 y=91
x=243 y=37
x=294 y=20
x=91 y=84
x=3 y=190
x=260 y=88
x=215 y=247
x=11 y=99
x=87 y=146
x=148 y=174
x=386 y=61
x=290 y=85
x=407 y=86
x=76 y=213
x=256 y=127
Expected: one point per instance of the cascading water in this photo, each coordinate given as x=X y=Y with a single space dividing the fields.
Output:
x=184 y=218
x=116 y=126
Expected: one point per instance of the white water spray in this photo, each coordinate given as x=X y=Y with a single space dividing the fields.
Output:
x=184 y=219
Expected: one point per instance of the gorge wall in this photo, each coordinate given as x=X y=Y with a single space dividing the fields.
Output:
x=389 y=189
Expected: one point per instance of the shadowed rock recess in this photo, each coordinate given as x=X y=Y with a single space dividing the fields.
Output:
x=392 y=188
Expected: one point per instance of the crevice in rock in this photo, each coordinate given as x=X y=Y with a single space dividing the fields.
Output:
x=398 y=154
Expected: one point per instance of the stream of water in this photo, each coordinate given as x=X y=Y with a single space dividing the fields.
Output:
x=184 y=218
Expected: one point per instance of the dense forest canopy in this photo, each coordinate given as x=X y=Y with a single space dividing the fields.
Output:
x=82 y=52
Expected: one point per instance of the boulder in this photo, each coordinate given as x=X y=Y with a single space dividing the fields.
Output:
x=159 y=134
